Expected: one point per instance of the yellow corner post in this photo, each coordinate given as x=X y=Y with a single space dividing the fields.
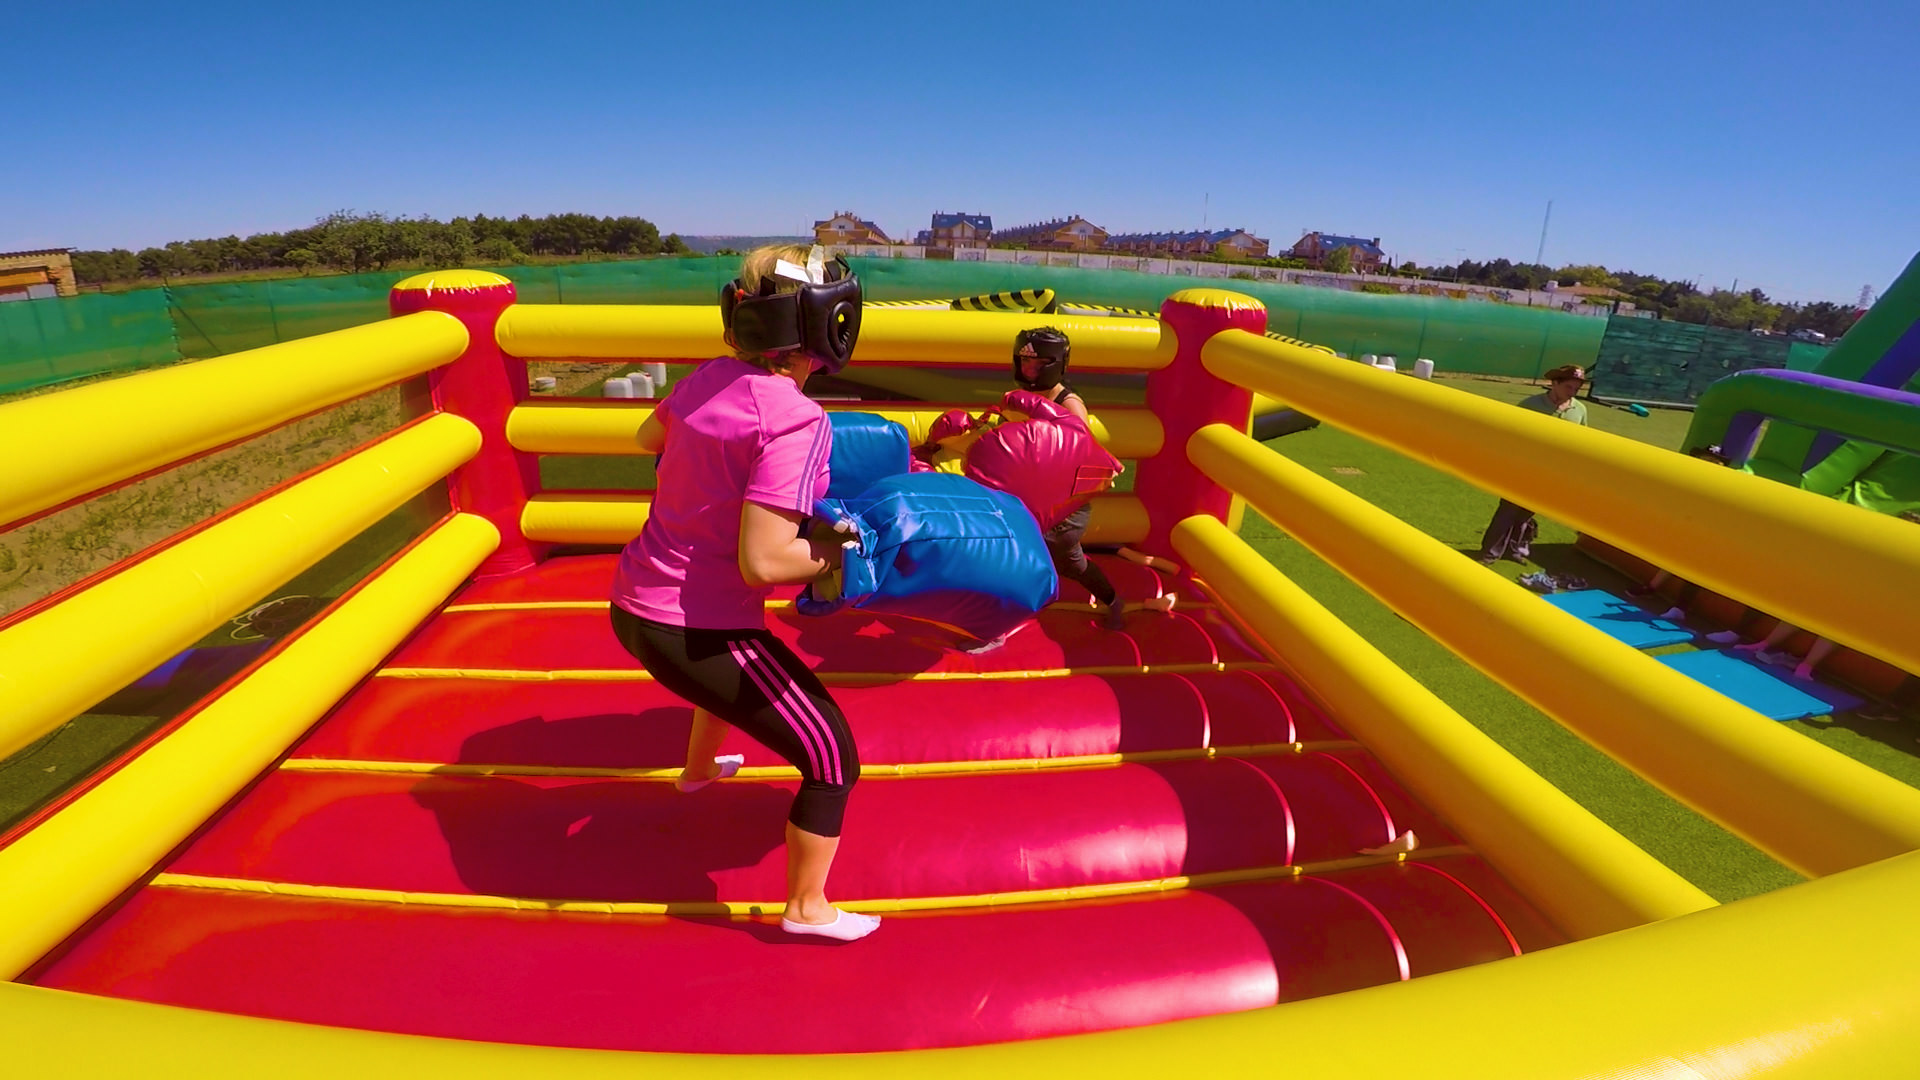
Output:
x=1811 y=807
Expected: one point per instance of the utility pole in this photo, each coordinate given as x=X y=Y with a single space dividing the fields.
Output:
x=1540 y=253
x=1206 y=208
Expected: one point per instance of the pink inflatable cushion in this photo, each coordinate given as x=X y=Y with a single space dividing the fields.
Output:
x=1050 y=461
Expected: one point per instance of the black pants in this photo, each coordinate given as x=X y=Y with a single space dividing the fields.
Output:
x=1511 y=532
x=1070 y=560
x=751 y=680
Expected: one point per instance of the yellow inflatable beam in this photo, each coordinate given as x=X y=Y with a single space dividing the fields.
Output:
x=1586 y=877
x=581 y=517
x=75 y=442
x=1812 y=807
x=887 y=335
x=60 y=660
x=593 y=427
x=79 y=859
x=1814 y=982
x=1837 y=570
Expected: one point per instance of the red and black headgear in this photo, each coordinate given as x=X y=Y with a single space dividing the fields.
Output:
x=1051 y=347
x=823 y=320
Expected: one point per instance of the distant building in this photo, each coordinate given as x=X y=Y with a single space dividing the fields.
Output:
x=1224 y=243
x=32 y=275
x=1237 y=243
x=848 y=227
x=952 y=231
x=1314 y=247
x=1060 y=234
x=1141 y=243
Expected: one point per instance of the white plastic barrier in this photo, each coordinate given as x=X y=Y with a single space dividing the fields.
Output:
x=1423 y=368
x=619 y=387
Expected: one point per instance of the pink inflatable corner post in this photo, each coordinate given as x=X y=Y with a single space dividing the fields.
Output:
x=1187 y=397
x=482 y=385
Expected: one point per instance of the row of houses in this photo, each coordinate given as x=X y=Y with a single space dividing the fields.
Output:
x=950 y=232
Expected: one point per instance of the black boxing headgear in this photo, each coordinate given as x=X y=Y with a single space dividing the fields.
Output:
x=823 y=320
x=1051 y=347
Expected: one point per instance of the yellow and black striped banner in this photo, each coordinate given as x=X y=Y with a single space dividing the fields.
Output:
x=1302 y=344
x=1036 y=301
x=1067 y=308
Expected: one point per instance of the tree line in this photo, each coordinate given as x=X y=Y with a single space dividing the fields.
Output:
x=1682 y=301
x=355 y=242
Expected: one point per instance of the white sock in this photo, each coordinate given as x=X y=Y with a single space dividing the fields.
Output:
x=1723 y=637
x=1674 y=614
x=846 y=926
x=988 y=645
x=729 y=764
x=1163 y=604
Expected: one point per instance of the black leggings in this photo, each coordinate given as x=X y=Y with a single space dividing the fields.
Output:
x=751 y=680
x=1070 y=560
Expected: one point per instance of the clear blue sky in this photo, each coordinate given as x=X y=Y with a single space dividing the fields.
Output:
x=1777 y=144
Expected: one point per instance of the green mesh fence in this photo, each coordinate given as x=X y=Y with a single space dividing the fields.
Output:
x=222 y=318
x=54 y=340
x=1457 y=335
x=1673 y=362
x=51 y=341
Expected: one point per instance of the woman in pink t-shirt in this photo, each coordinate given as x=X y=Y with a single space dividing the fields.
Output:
x=743 y=455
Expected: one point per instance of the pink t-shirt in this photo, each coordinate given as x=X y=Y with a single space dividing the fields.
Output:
x=734 y=432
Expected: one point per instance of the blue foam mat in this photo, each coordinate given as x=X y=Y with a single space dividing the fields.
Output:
x=1767 y=690
x=1621 y=618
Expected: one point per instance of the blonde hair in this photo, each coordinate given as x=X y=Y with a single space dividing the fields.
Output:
x=757 y=267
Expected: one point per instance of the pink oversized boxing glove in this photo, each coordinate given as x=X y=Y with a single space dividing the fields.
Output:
x=951 y=424
x=1025 y=404
x=948 y=438
x=1050 y=461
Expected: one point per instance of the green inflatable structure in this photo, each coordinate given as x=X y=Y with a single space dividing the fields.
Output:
x=1851 y=428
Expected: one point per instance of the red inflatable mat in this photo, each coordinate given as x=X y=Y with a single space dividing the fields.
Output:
x=643 y=841
x=548 y=639
x=590 y=577
x=702 y=985
x=641 y=725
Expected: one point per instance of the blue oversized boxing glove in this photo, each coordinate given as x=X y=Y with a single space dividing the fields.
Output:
x=866 y=448
x=939 y=547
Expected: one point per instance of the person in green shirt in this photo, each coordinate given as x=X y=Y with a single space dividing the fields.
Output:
x=1510 y=534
